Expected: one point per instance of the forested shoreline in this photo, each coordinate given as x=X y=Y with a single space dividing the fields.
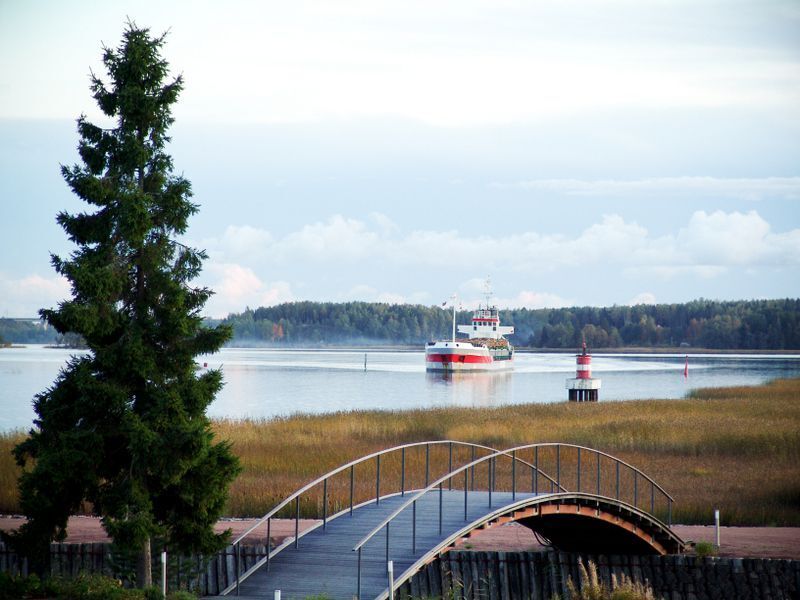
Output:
x=745 y=325
x=723 y=325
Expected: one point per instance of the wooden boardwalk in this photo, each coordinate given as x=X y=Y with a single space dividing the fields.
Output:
x=325 y=564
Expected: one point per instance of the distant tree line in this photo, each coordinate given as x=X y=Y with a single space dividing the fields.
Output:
x=26 y=331
x=755 y=324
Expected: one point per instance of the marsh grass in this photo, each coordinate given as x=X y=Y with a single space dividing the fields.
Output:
x=736 y=449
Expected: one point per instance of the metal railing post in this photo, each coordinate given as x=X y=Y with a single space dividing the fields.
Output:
x=450 y=465
x=536 y=469
x=489 y=479
x=635 y=489
x=378 y=480
x=579 y=470
x=598 y=472
x=236 y=559
x=558 y=467
x=352 y=487
x=387 y=542
x=427 y=464
x=669 y=512
x=652 y=498
x=296 y=521
x=403 y=471
x=514 y=475
x=414 y=528
x=358 y=584
x=440 y=508
x=465 y=494
x=617 y=480
x=324 y=504
x=269 y=541
x=472 y=470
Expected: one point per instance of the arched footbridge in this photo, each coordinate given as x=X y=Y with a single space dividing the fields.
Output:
x=410 y=503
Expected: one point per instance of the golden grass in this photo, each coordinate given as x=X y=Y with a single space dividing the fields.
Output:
x=736 y=449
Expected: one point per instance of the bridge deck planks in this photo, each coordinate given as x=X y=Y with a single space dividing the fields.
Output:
x=325 y=564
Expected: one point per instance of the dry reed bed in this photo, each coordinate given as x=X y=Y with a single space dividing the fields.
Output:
x=736 y=449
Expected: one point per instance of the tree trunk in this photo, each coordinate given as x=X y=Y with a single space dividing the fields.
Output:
x=144 y=572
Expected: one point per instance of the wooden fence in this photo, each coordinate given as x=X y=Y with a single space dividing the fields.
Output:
x=205 y=575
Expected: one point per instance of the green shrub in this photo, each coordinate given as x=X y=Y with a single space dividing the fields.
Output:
x=704 y=549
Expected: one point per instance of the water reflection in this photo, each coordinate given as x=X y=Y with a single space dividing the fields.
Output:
x=476 y=389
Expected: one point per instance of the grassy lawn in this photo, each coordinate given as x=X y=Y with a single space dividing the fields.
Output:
x=736 y=449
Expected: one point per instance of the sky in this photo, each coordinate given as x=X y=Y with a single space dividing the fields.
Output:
x=580 y=153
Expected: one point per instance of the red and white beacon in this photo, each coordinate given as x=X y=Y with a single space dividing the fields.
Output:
x=583 y=388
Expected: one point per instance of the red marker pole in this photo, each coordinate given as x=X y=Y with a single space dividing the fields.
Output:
x=686 y=367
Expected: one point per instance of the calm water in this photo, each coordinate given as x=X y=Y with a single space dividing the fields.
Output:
x=266 y=382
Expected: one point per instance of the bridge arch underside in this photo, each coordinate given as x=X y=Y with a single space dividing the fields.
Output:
x=594 y=525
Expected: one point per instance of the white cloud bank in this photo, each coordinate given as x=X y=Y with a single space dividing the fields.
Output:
x=787 y=188
x=23 y=297
x=709 y=242
x=353 y=253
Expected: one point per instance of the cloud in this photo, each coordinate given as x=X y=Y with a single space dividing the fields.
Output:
x=708 y=244
x=643 y=298
x=752 y=189
x=236 y=287
x=24 y=297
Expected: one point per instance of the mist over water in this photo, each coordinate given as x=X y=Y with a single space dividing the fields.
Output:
x=263 y=383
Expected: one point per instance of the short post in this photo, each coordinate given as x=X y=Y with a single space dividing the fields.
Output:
x=164 y=572
x=716 y=526
x=390 y=574
x=277 y=595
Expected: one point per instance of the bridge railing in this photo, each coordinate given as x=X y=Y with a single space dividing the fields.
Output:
x=439 y=456
x=585 y=467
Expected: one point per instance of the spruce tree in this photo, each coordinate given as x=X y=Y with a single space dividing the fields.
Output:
x=123 y=430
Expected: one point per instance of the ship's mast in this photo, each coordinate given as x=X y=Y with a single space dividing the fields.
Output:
x=454 y=298
x=487 y=290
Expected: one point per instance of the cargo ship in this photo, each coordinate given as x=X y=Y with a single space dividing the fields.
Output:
x=485 y=348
